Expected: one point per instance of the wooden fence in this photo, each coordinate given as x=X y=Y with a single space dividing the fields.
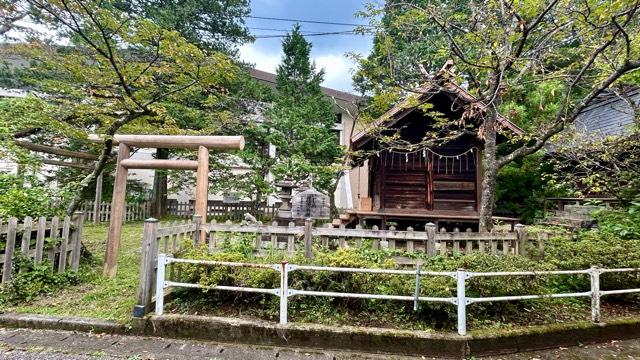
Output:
x=168 y=238
x=59 y=240
x=429 y=241
x=222 y=211
x=133 y=212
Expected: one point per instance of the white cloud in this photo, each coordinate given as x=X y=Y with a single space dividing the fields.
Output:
x=337 y=71
x=265 y=61
x=337 y=67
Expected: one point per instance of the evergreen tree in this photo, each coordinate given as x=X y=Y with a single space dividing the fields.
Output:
x=301 y=120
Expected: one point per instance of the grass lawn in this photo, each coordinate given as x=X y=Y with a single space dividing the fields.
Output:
x=98 y=297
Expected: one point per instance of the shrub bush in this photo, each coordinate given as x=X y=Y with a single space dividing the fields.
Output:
x=22 y=196
x=303 y=308
x=31 y=279
x=623 y=223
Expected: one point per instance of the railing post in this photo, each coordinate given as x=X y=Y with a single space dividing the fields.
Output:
x=594 y=274
x=416 y=293
x=521 y=231
x=160 y=278
x=430 y=228
x=147 y=265
x=284 y=292
x=462 y=301
x=197 y=236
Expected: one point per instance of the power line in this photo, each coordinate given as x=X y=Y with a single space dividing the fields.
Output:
x=272 y=36
x=306 y=21
x=286 y=30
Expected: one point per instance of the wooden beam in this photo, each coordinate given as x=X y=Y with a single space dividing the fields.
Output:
x=182 y=141
x=160 y=164
x=55 y=151
x=67 y=164
x=117 y=213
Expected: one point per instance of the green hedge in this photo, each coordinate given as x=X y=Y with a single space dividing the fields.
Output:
x=561 y=253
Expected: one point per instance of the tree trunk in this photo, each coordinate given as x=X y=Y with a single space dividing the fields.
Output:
x=159 y=198
x=490 y=171
x=91 y=178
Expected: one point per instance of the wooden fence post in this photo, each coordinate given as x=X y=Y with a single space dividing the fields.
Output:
x=542 y=239
x=76 y=242
x=375 y=244
x=53 y=235
x=197 y=236
x=521 y=231
x=391 y=243
x=274 y=237
x=359 y=240
x=291 y=246
x=430 y=228
x=26 y=235
x=8 y=250
x=212 y=237
x=42 y=228
x=342 y=241
x=308 y=250
x=147 y=267
x=409 y=241
x=62 y=260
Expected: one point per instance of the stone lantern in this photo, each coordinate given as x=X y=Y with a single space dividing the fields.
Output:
x=285 y=195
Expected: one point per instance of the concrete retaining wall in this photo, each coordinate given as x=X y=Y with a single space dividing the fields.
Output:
x=371 y=340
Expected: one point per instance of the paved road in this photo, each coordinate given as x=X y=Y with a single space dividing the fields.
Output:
x=24 y=344
x=43 y=344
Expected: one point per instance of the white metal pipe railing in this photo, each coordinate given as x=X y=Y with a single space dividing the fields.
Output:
x=460 y=300
x=526 y=297
x=370 y=296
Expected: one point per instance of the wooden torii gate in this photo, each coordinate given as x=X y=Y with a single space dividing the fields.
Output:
x=125 y=142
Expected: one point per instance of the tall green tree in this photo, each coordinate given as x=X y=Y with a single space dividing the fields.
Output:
x=302 y=118
x=556 y=54
x=211 y=24
x=288 y=131
x=122 y=73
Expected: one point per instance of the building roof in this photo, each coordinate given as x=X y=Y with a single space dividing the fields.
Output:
x=608 y=114
x=423 y=94
x=270 y=79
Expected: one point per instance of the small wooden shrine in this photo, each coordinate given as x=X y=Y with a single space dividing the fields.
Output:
x=427 y=184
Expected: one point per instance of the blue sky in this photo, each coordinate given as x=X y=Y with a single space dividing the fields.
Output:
x=328 y=51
